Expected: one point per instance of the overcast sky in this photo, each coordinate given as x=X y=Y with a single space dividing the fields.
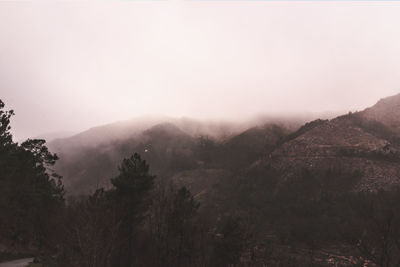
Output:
x=70 y=66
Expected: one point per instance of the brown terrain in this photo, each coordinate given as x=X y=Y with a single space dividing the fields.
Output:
x=386 y=111
x=365 y=141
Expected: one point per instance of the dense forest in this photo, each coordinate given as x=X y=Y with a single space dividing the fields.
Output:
x=253 y=213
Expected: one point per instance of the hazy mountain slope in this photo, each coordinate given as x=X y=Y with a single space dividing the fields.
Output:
x=243 y=149
x=49 y=137
x=386 y=111
x=170 y=151
x=86 y=167
x=106 y=133
x=331 y=138
x=353 y=142
x=127 y=129
x=186 y=148
x=89 y=159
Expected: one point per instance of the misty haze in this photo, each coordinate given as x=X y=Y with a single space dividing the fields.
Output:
x=199 y=133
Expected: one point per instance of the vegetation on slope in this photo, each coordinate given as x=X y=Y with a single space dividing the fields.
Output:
x=239 y=216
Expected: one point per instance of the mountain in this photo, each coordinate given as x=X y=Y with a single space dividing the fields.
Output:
x=107 y=133
x=200 y=153
x=180 y=150
x=365 y=142
x=89 y=159
x=87 y=167
x=293 y=188
x=243 y=149
x=386 y=111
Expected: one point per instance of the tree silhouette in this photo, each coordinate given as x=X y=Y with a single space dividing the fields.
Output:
x=30 y=191
x=132 y=185
x=130 y=196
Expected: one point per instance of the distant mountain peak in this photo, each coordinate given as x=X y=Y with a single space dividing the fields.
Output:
x=385 y=111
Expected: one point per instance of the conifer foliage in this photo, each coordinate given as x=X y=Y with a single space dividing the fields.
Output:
x=31 y=193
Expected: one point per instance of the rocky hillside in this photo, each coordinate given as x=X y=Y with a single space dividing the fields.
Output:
x=386 y=111
x=353 y=142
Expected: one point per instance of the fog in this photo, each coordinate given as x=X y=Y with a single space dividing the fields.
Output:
x=68 y=66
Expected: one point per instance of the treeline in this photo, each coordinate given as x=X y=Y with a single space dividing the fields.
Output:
x=143 y=222
x=317 y=218
x=30 y=192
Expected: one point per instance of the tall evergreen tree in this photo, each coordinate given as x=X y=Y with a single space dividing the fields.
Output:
x=30 y=191
x=131 y=188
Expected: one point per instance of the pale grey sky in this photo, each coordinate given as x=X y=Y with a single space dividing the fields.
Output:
x=71 y=65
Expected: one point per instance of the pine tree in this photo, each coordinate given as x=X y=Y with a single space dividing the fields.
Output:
x=30 y=191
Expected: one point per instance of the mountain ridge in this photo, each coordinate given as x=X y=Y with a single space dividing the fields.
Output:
x=178 y=147
x=352 y=142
